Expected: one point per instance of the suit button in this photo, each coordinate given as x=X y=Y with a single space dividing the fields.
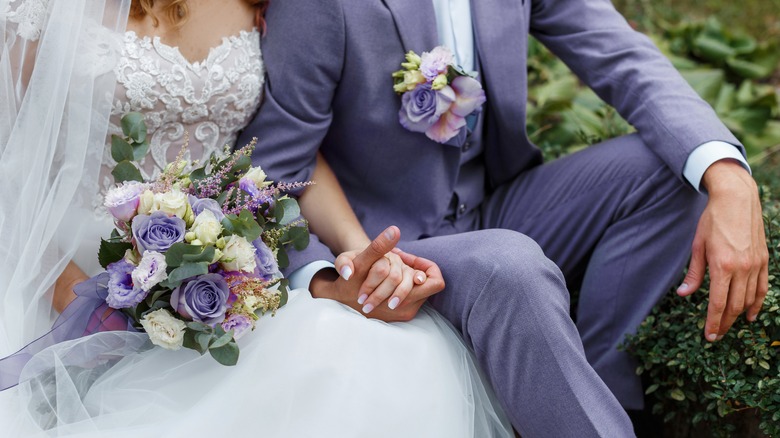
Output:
x=466 y=146
x=461 y=208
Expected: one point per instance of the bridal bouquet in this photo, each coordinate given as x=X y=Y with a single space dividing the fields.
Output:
x=195 y=254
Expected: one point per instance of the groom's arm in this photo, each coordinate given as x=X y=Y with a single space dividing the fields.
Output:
x=303 y=56
x=627 y=70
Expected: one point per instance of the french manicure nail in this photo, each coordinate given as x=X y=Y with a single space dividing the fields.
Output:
x=368 y=308
x=346 y=272
x=393 y=303
x=712 y=337
x=420 y=278
x=389 y=234
x=362 y=299
x=683 y=287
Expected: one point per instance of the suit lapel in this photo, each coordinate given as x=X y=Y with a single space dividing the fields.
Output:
x=416 y=23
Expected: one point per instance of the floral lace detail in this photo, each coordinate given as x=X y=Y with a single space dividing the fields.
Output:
x=210 y=100
x=29 y=16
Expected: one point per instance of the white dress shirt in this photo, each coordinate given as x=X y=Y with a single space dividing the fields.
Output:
x=454 y=26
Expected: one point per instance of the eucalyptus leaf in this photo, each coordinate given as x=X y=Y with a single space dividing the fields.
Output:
x=185 y=271
x=227 y=354
x=299 y=237
x=286 y=210
x=203 y=340
x=126 y=171
x=198 y=326
x=121 y=149
x=133 y=126
x=140 y=150
x=221 y=340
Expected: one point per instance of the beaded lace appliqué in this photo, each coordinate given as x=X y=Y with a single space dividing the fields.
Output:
x=211 y=100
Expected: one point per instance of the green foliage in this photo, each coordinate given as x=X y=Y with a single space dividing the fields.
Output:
x=111 y=251
x=219 y=343
x=709 y=382
x=132 y=147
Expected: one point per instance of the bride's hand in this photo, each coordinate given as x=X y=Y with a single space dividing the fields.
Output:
x=389 y=280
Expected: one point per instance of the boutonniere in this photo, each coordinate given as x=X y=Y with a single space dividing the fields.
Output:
x=437 y=95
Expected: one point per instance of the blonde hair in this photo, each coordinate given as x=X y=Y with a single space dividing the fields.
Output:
x=176 y=11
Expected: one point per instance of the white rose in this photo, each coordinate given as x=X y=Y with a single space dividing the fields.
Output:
x=163 y=329
x=257 y=175
x=150 y=271
x=207 y=228
x=174 y=203
x=146 y=202
x=238 y=255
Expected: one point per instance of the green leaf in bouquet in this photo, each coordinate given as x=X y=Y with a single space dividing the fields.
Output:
x=180 y=253
x=183 y=272
x=281 y=258
x=284 y=291
x=286 y=210
x=222 y=339
x=198 y=326
x=198 y=174
x=299 y=237
x=140 y=150
x=121 y=149
x=111 y=252
x=243 y=225
x=203 y=340
x=190 y=341
x=126 y=171
x=133 y=126
x=227 y=354
x=156 y=295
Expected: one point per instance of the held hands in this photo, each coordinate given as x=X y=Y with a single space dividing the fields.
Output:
x=381 y=280
x=730 y=240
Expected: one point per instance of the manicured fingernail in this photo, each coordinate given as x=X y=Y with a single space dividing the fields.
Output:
x=752 y=318
x=362 y=299
x=683 y=288
x=393 y=303
x=368 y=308
x=420 y=278
x=719 y=337
x=712 y=337
x=346 y=272
x=390 y=234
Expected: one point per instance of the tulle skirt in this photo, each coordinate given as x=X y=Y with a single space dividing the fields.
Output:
x=315 y=369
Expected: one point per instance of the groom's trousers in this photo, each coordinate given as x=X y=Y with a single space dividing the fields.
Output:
x=612 y=221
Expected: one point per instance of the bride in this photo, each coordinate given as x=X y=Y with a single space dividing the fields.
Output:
x=68 y=72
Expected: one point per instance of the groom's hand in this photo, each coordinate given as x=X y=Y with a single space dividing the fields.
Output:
x=730 y=241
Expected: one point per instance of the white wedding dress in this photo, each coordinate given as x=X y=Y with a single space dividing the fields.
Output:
x=315 y=369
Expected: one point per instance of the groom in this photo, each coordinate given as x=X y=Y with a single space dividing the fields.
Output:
x=615 y=221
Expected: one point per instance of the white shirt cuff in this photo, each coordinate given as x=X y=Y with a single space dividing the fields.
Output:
x=301 y=278
x=705 y=155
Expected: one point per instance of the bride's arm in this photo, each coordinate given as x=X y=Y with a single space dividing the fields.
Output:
x=63 y=287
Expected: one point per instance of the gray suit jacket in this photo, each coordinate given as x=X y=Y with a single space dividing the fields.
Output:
x=329 y=87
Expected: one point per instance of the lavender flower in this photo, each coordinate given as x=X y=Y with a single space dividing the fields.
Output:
x=267 y=267
x=436 y=62
x=122 y=200
x=240 y=324
x=157 y=232
x=422 y=107
x=122 y=293
x=198 y=205
x=202 y=299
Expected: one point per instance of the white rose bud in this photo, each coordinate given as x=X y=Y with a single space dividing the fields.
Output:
x=207 y=228
x=257 y=175
x=146 y=203
x=150 y=271
x=164 y=330
x=173 y=203
x=238 y=255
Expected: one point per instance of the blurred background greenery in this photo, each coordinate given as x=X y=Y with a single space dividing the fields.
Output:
x=729 y=51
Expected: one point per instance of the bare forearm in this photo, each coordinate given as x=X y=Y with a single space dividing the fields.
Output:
x=63 y=288
x=329 y=214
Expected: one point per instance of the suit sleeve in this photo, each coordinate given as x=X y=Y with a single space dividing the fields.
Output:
x=303 y=54
x=626 y=70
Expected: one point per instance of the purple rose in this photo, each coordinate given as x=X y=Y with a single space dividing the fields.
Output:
x=202 y=298
x=240 y=324
x=157 y=232
x=267 y=268
x=121 y=291
x=423 y=106
x=198 y=205
x=436 y=62
x=249 y=186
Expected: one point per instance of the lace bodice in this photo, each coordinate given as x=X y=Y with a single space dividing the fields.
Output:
x=211 y=100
